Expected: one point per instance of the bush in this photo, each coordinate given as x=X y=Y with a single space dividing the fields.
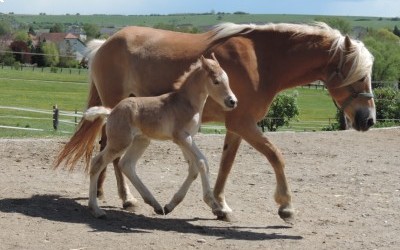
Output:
x=283 y=109
x=387 y=101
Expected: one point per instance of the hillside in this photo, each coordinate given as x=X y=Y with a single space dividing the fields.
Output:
x=201 y=21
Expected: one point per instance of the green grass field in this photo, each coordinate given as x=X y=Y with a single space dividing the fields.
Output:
x=205 y=20
x=38 y=90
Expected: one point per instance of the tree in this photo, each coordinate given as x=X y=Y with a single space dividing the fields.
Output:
x=91 y=30
x=342 y=25
x=387 y=101
x=384 y=46
x=5 y=27
x=20 y=48
x=396 y=31
x=283 y=109
x=52 y=56
x=57 y=28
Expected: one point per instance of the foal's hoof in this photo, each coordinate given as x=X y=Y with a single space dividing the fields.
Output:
x=159 y=211
x=130 y=205
x=287 y=214
x=227 y=217
x=98 y=213
x=167 y=210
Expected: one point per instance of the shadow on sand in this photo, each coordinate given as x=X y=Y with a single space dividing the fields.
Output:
x=66 y=210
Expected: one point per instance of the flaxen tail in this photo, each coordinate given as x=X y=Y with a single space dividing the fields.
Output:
x=82 y=142
x=96 y=112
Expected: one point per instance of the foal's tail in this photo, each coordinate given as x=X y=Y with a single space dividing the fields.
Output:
x=82 y=142
x=96 y=112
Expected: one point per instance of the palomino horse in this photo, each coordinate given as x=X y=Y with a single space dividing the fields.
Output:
x=260 y=60
x=173 y=116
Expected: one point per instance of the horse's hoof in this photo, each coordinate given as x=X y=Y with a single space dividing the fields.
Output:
x=98 y=214
x=227 y=217
x=130 y=205
x=286 y=214
x=159 y=211
x=167 y=210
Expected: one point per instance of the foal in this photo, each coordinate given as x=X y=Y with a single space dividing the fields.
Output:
x=173 y=116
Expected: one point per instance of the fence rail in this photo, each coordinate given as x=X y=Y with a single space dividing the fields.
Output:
x=50 y=120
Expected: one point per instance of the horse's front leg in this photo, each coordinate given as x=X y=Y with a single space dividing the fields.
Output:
x=260 y=142
x=198 y=160
x=231 y=145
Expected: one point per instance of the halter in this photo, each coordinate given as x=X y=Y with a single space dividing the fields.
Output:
x=354 y=94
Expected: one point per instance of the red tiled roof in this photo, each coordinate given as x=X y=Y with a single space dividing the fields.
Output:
x=56 y=37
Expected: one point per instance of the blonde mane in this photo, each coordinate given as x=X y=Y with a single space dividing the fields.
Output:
x=360 y=58
x=182 y=79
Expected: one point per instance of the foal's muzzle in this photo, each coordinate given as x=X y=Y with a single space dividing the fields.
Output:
x=231 y=102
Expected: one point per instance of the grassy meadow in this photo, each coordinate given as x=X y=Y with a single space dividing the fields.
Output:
x=37 y=90
x=203 y=21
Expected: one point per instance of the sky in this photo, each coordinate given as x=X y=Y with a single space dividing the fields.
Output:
x=378 y=8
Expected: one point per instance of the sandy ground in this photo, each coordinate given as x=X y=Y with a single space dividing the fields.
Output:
x=346 y=191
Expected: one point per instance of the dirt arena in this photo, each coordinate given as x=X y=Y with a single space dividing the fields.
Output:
x=346 y=192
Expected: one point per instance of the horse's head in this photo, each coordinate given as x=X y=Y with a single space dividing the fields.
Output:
x=218 y=83
x=349 y=83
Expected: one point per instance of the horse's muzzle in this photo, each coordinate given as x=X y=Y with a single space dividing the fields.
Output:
x=231 y=102
x=363 y=120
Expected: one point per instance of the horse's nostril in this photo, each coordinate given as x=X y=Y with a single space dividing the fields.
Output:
x=370 y=122
x=230 y=102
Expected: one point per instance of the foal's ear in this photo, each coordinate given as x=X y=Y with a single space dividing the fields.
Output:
x=214 y=58
x=205 y=63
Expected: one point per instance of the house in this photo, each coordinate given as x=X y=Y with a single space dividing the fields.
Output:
x=68 y=44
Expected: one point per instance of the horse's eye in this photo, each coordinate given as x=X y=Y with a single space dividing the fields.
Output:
x=363 y=79
x=216 y=82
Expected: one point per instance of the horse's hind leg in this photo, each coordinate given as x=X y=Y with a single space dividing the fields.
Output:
x=128 y=167
x=102 y=176
x=128 y=201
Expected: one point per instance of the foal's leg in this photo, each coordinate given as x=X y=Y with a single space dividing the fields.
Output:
x=250 y=132
x=199 y=160
x=128 y=201
x=98 y=164
x=231 y=145
x=178 y=197
x=128 y=167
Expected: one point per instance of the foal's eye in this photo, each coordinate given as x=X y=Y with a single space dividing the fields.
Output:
x=216 y=82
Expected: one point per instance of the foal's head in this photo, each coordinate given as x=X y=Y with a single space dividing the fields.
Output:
x=349 y=83
x=218 y=83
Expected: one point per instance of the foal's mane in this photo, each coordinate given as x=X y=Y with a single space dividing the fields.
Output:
x=184 y=77
x=360 y=58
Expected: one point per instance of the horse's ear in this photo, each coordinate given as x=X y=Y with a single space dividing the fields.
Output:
x=204 y=63
x=214 y=58
x=347 y=42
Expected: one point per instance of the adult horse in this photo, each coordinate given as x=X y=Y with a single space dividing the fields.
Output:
x=260 y=60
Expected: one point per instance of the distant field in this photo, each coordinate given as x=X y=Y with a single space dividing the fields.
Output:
x=202 y=21
x=38 y=90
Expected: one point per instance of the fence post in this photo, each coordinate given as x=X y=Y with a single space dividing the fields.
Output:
x=76 y=119
x=55 y=117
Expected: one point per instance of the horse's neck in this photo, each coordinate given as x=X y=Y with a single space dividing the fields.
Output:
x=293 y=60
x=194 y=90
